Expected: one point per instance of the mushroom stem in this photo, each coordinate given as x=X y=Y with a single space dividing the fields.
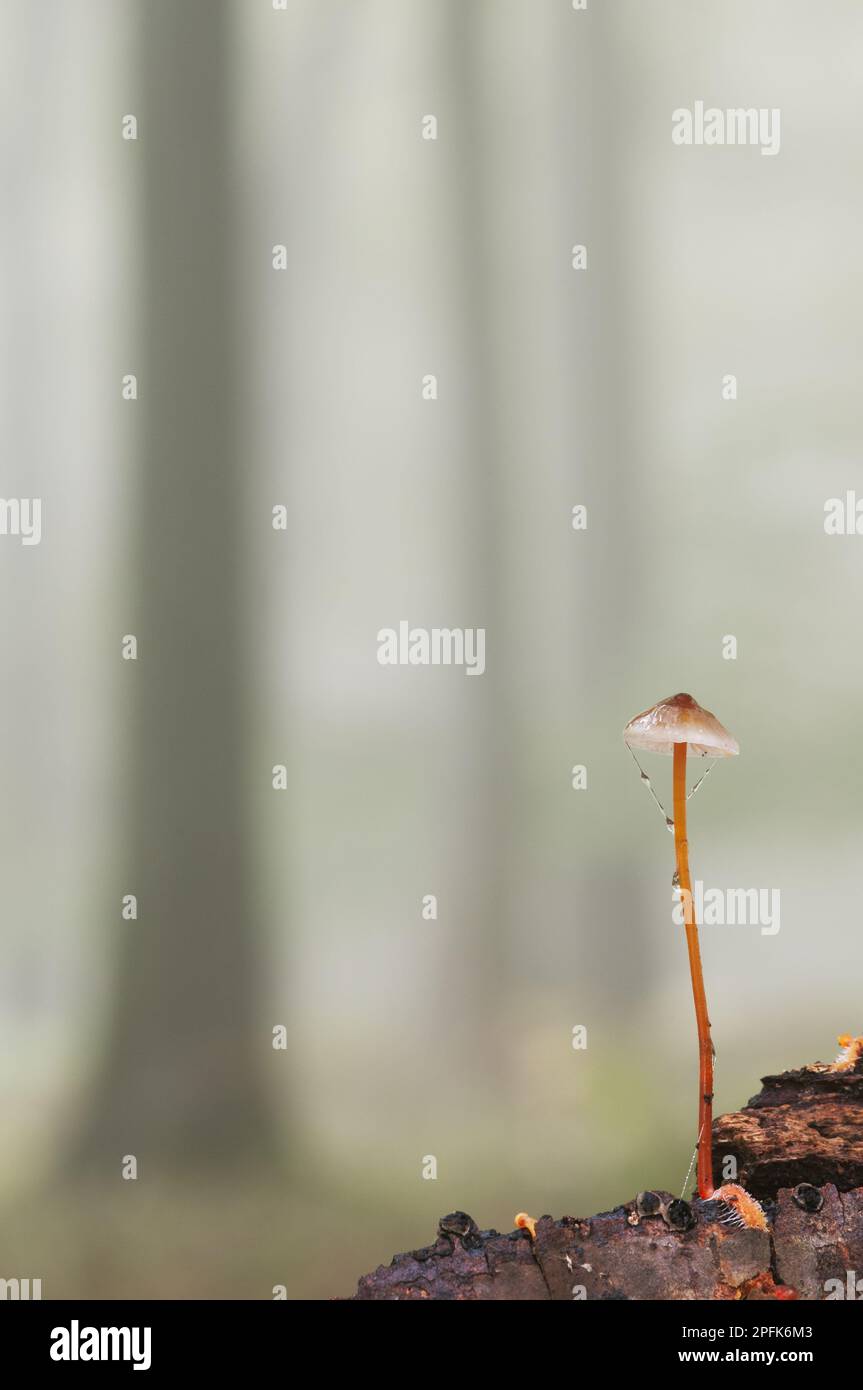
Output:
x=704 y=1170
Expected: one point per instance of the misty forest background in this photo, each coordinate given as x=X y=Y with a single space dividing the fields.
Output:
x=408 y=1038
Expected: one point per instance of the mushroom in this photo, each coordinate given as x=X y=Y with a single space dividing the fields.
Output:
x=523 y=1222
x=851 y=1054
x=675 y=726
x=741 y=1207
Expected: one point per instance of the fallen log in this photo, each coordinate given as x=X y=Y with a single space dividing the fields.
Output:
x=798 y=1147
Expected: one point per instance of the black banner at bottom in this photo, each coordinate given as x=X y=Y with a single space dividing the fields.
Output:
x=219 y=1337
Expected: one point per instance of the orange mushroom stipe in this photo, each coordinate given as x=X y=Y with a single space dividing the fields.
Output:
x=851 y=1054
x=672 y=727
x=526 y=1223
x=743 y=1209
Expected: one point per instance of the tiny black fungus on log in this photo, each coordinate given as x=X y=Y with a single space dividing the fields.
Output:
x=648 y=1203
x=807 y=1197
x=679 y=1215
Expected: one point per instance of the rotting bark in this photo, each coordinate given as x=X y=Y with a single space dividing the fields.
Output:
x=805 y=1126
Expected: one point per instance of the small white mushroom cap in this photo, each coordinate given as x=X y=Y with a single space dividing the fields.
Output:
x=680 y=719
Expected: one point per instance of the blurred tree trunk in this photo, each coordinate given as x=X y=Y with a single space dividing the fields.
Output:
x=181 y=1079
x=608 y=438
